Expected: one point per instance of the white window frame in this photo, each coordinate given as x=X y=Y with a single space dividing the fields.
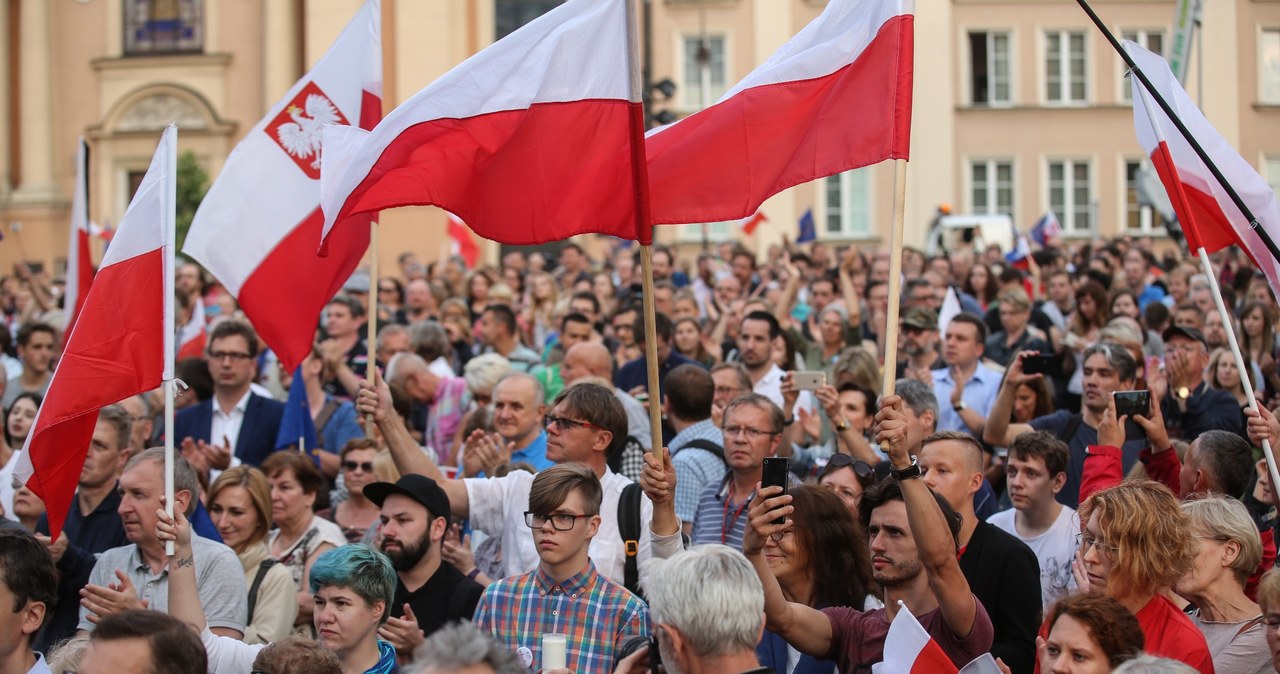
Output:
x=1271 y=170
x=992 y=165
x=1064 y=67
x=1268 y=92
x=1149 y=223
x=1143 y=37
x=992 y=100
x=849 y=211
x=688 y=94
x=716 y=232
x=1068 y=213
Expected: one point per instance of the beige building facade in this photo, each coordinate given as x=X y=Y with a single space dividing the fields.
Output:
x=1021 y=106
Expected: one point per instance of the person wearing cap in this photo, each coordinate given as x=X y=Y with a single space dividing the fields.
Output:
x=1016 y=332
x=918 y=338
x=1190 y=406
x=430 y=592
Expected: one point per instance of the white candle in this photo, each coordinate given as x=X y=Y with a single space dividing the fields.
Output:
x=553 y=651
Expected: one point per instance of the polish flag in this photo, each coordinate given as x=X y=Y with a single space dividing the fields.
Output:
x=908 y=649
x=1209 y=217
x=192 y=334
x=257 y=228
x=536 y=138
x=749 y=224
x=834 y=98
x=120 y=342
x=79 y=259
x=463 y=242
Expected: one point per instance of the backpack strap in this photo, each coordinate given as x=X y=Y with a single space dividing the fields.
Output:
x=705 y=445
x=629 y=527
x=1073 y=425
x=326 y=412
x=263 y=567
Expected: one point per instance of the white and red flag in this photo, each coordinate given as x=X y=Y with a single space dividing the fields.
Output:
x=121 y=343
x=908 y=649
x=79 y=259
x=749 y=224
x=257 y=228
x=1209 y=218
x=463 y=242
x=836 y=97
x=192 y=334
x=536 y=138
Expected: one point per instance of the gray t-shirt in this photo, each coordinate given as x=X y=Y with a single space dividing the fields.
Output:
x=13 y=389
x=219 y=580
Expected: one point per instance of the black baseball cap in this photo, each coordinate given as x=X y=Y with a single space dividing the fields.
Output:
x=420 y=488
x=1189 y=333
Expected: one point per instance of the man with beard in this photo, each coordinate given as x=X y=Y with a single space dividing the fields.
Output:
x=429 y=592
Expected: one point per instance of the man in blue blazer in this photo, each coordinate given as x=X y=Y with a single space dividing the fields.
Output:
x=235 y=421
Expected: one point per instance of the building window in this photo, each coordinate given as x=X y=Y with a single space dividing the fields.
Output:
x=1140 y=218
x=691 y=97
x=510 y=15
x=1269 y=67
x=848 y=204
x=163 y=27
x=1071 y=194
x=991 y=187
x=1153 y=40
x=1271 y=169
x=1065 y=67
x=990 y=62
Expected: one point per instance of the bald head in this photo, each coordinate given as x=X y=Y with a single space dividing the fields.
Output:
x=586 y=359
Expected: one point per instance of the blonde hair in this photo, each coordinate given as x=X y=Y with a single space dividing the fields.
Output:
x=1143 y=520
x=1226 y=519
x=1269 y=591
x=255 y=483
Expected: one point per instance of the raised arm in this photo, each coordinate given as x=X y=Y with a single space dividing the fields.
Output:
x=408 y=456
x=999 y=431
x=936 y=546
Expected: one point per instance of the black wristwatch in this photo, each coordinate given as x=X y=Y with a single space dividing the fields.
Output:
x=909 y=473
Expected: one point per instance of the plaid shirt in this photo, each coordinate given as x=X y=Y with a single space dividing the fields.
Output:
x=595 y=613
x=695 y=469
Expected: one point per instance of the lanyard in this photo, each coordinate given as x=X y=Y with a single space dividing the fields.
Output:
x=726 y=524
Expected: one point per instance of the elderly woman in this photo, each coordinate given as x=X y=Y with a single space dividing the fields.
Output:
x=822 y=560
x=1229 y=551
x=1089 y=635
x=240 y=507
x=1135 y=543
x=300 y=535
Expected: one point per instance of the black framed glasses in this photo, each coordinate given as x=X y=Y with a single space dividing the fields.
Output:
x=559 y=521
x=234 y=356
x=366 y=466
x=567 y=424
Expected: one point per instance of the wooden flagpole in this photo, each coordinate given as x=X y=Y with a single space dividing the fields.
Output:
x=890 y=370
x=386 y=39
x=168 y=387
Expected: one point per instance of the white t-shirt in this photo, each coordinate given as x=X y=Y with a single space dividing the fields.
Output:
x=1055 y=548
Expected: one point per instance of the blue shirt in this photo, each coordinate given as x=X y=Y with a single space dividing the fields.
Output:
x=722 y=515
x=341 y=428
x=979 y=395
x=636 y=373
x=535 y=454
x=695 y=468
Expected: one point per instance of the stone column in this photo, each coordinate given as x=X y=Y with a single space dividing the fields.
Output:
x=35 y=106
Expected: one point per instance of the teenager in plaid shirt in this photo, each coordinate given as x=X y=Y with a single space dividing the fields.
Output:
x=565 y=594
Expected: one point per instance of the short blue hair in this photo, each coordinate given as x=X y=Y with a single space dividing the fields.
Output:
x=358 y=567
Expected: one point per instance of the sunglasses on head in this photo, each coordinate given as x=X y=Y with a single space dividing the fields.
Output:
x=861 y=468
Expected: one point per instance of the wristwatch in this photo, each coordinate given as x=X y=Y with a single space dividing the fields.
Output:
x=909 y=473
x=960 y=406
x=842 y=425
x=1183 y=393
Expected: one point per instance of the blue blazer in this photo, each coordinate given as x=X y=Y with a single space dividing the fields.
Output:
x=258 y=431
x=772 y=652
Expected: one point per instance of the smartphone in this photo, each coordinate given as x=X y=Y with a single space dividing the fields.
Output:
x=809 y=381
x=1132 y=402
x=1037 y=364
x=655 y=656
x=774 y=474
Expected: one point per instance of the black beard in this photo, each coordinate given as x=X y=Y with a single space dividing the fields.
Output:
x=407 y=556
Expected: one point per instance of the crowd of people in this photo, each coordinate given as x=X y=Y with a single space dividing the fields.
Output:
x=1066 y=477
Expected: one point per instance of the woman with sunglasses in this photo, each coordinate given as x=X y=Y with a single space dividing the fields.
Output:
x=847 y=478
x=355 y=513
x=823 y=560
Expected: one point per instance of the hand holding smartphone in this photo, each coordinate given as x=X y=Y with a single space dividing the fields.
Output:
x=774 y=474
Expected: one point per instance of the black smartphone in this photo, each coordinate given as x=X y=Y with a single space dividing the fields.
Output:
x=655 y=656
x=1132 y=402
x=774 y=474
x=1037 y=364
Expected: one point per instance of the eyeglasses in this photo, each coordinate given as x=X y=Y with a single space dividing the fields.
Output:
x=567 y=424
x=366 y=466
x=1271 y=620
x=1086 y=541
x=728 y=389
x=752 y=433
x=559 y=521
x=860 y=468
x=217 y=356
x=777 y=536
x=387 y=289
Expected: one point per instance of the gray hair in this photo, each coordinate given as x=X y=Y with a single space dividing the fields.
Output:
x=404 y=365
x=1118 y=358
x=1226 y=519
x=387 y=331
x=917 y=395
x=121 y=421
x=833 y=308
x=1150 y=664
x=184 y=476
x=539 y=391
x=777 y=422
x=429 y=340
x=461 y=645
x=485 y=371
x=711 y=594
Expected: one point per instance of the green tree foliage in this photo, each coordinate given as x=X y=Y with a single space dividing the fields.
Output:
x=193 y=182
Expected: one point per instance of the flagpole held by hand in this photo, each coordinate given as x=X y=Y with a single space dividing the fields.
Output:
x=371 y=366
x=890 y=369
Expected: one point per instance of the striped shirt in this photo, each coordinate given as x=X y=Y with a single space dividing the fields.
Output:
x=596 y=614
x=722 y=515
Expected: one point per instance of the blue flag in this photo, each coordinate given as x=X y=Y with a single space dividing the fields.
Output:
x=296 y=427
x=808 y=232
